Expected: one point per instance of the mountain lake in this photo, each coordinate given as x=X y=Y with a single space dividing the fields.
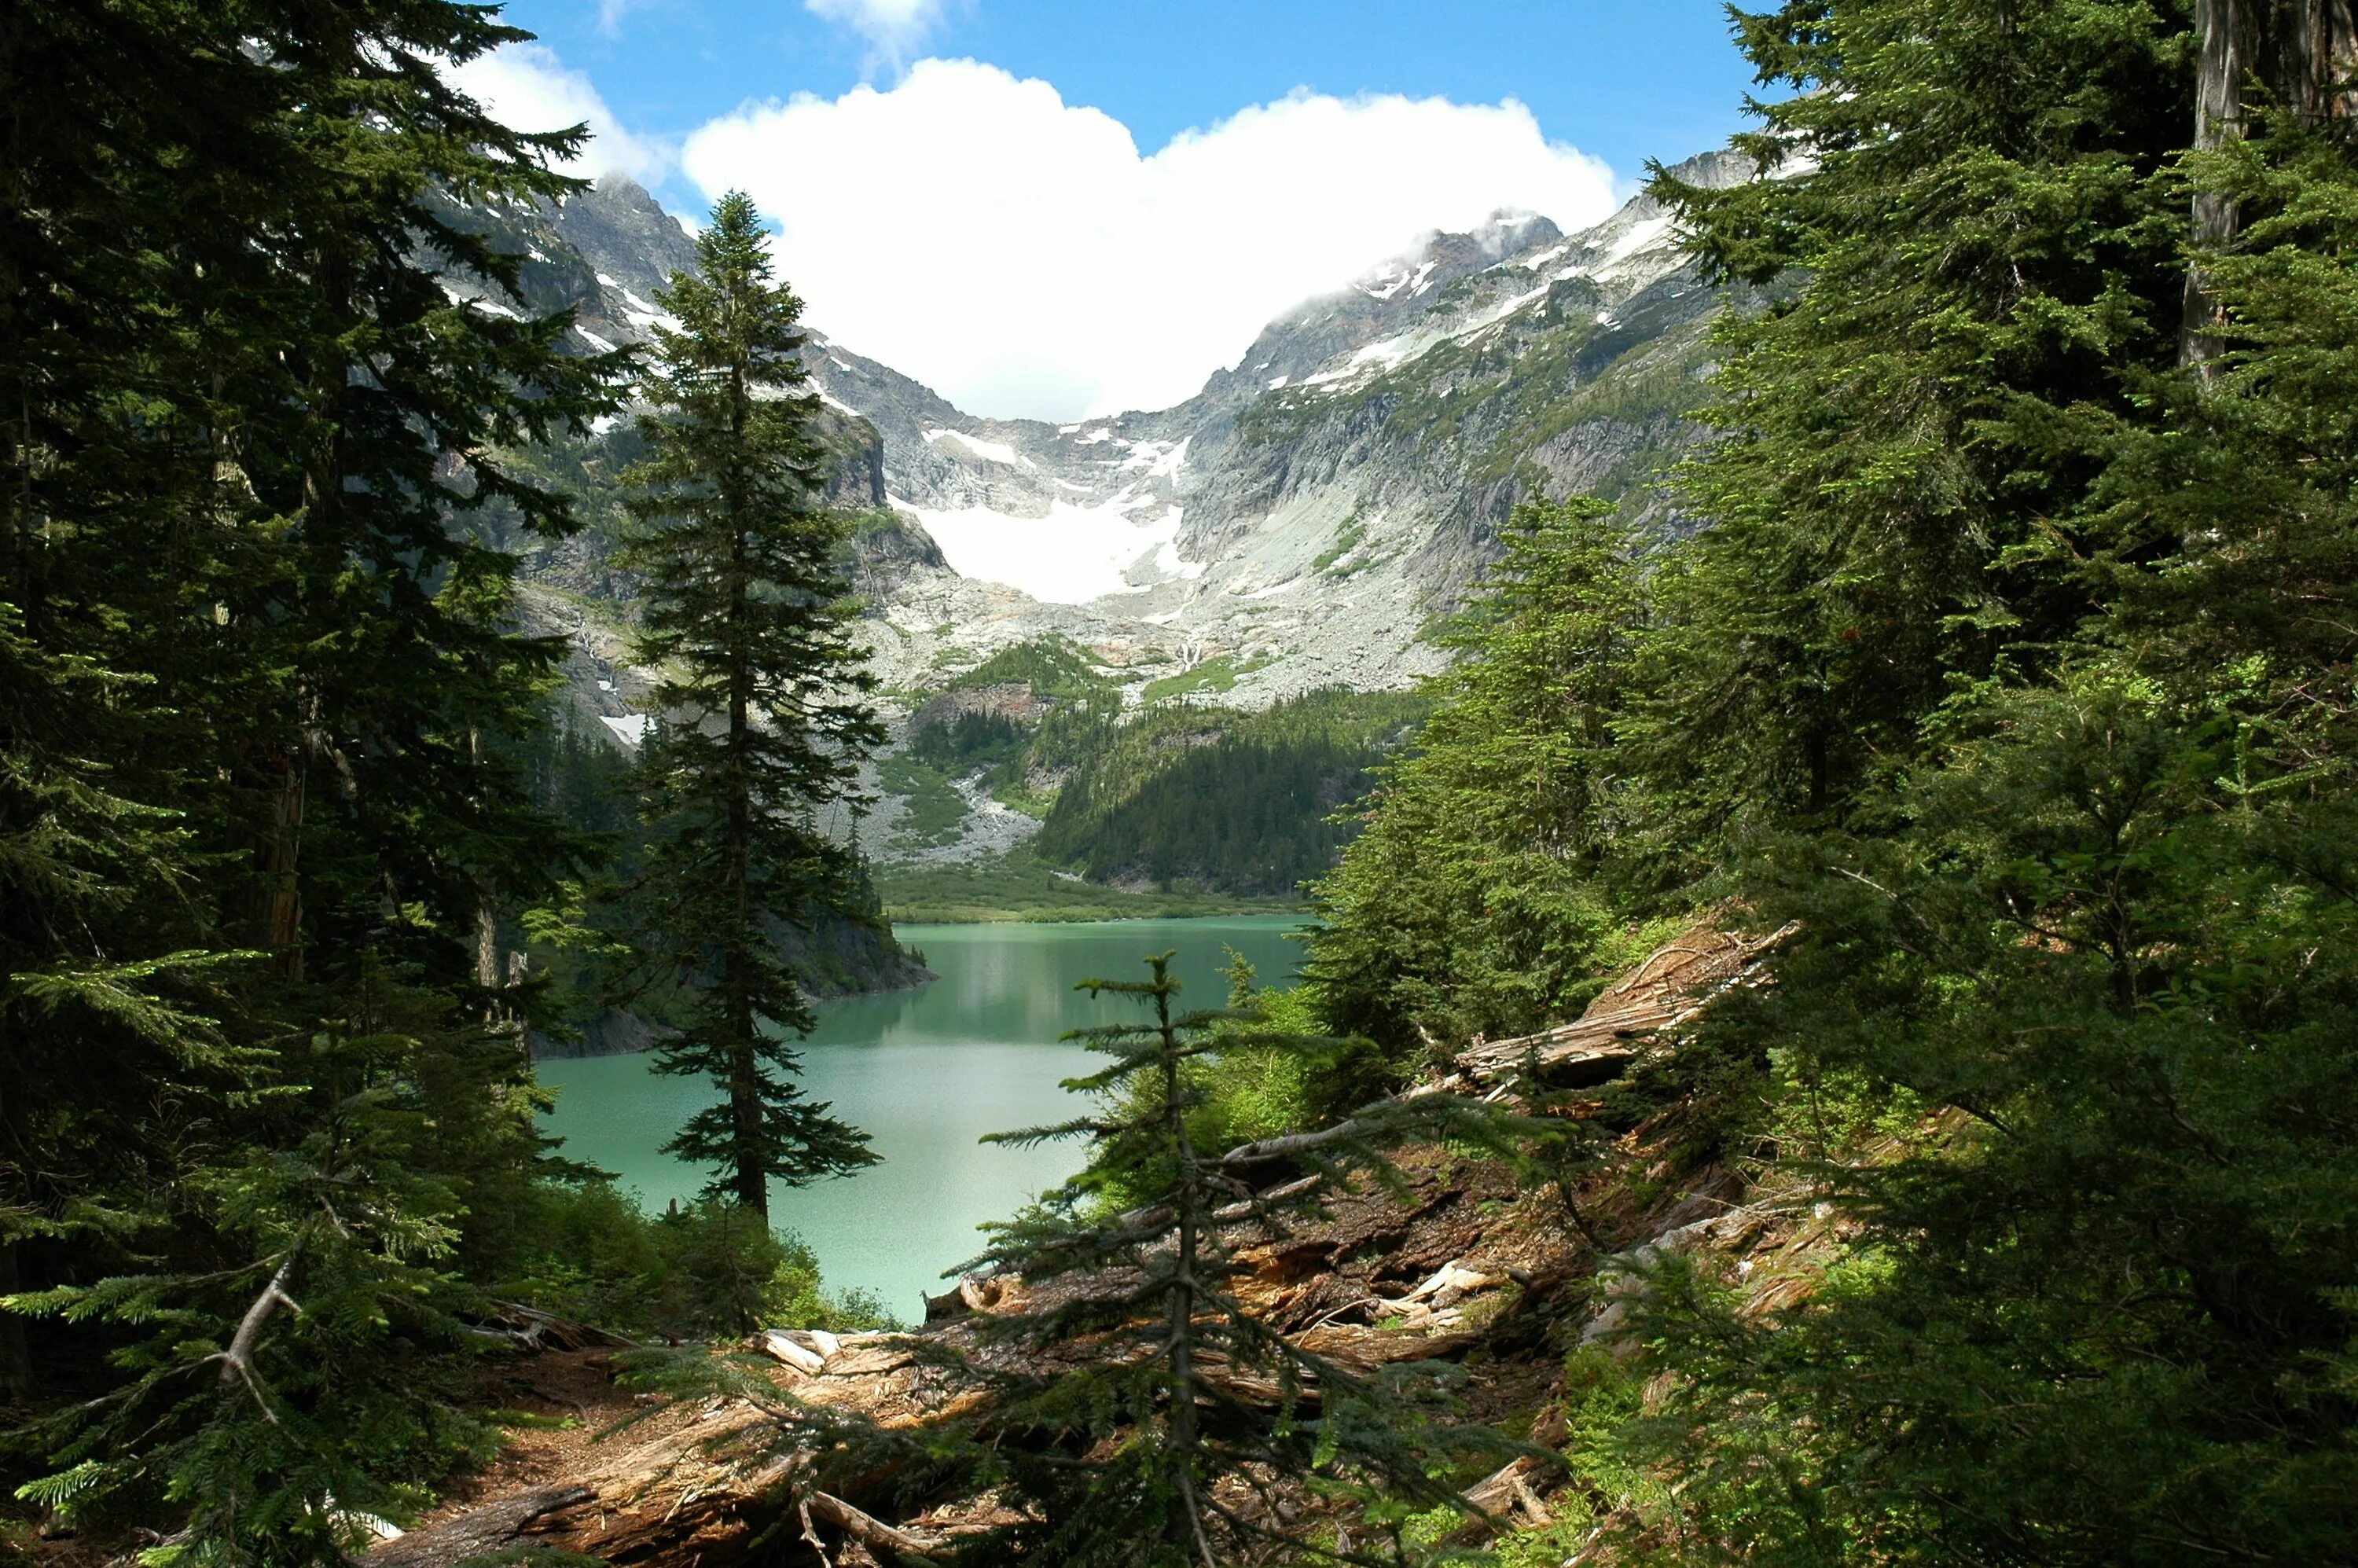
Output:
x=927 y=1073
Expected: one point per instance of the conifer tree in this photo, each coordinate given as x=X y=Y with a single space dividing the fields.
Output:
x=1474 y=898
x=763 y=703
x=1991 y=240
x=1178 y=1423
x=249 y=820
x=2041 y=734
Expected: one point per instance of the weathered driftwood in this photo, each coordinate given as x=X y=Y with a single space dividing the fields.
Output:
x=1677 y=981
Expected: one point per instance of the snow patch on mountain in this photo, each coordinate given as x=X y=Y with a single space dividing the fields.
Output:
x=1072 y=555
x=988 y=451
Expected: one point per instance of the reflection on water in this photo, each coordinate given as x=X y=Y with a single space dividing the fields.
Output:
x=927 y=1073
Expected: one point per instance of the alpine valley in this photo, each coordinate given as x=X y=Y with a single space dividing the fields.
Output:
x=1063 y=616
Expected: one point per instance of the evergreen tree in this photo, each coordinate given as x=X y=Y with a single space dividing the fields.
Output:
x=1177 y=1419
x=744 y=611
x=1474 y=899
x=2064 y=824
x=253 y=808
x=1976 y=278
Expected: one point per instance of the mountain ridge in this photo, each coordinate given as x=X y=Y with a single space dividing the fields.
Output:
x=1301 y=523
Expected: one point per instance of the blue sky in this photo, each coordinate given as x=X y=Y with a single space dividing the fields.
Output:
x=1625 y=80
x=1052 y=208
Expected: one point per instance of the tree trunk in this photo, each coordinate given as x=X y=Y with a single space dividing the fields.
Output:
x=744 y=1076
x=2312 y=49
x=283 y=889
x=1188 y=1200
x=2221 y=26
x=2302 y=54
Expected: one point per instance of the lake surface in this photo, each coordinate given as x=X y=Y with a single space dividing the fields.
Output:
x=926 y=1073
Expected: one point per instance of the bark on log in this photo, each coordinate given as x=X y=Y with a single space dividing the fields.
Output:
x=1676 y=982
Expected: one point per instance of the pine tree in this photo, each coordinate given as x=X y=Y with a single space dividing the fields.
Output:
x=1474 y=898
x=251 y=819
x=763 y=702
x=1178 y=1425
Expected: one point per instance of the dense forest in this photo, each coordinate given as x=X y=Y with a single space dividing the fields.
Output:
x=1998 y=691
x=1181 y=794
x=287 y=806
x=2011 y=664
x=1242 y=802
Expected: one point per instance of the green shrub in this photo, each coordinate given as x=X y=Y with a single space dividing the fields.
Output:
x=704 y=1269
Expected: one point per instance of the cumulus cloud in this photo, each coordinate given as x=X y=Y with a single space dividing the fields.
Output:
x=894 y=29
x=526 y=86
x=1022 y=256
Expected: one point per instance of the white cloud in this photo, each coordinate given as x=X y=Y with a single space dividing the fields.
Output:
x=894 y=29
x=527 y=87
x=1019 y=255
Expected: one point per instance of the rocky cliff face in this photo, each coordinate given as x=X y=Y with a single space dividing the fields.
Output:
x=1305 y=517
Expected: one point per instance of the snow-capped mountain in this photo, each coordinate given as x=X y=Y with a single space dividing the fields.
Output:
x=1304 y=517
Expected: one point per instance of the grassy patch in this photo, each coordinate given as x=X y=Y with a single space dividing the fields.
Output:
x=527 y=1420
x=1021 y=888
x=1217 y=677
x=1347 y=538
x=937 y=813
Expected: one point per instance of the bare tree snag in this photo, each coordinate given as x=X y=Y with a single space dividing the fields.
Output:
x=237 y=1361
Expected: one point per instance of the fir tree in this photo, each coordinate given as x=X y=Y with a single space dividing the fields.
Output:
x=764 y=722
x=1178 y=1423
x=251 y=820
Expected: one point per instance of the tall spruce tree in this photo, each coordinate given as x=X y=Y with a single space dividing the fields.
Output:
x=248 y=820
x=2042 y=734
x=763 y=717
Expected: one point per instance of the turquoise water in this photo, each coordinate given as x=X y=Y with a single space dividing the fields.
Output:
x=927 y=1073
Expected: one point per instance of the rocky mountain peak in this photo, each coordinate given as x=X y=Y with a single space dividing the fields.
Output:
x=625 y=234
x=1300 y=519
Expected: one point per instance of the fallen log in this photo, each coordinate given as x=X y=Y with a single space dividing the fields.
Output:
x=494 y=1527
x=1676 y=982
x=1508 y=1491
x=868 y=1530
x=529 y=1329
x=707 y=1487
x=780 y=1347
